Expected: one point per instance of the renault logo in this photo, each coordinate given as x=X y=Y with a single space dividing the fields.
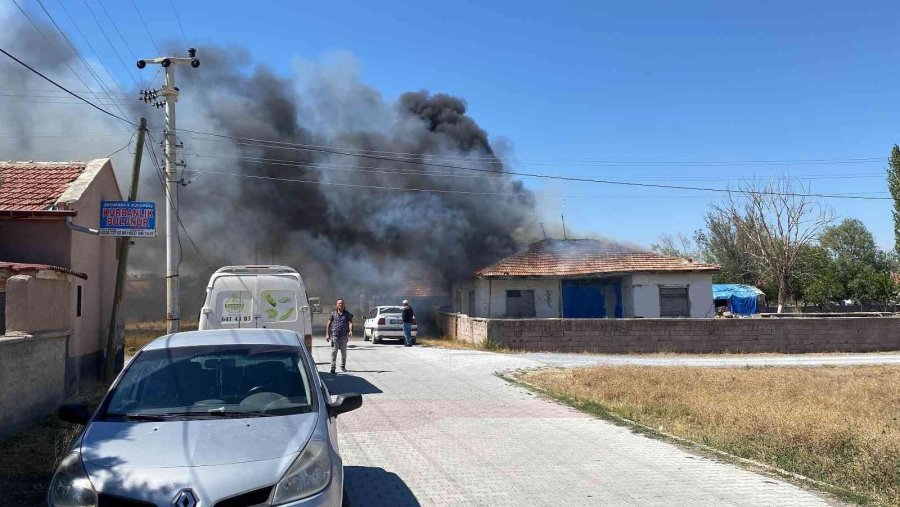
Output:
x=185 y=498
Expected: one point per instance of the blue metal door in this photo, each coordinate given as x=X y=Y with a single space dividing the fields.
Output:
x=583 y=301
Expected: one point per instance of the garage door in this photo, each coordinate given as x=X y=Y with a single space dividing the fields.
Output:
x=583 y=299
x=674 y=302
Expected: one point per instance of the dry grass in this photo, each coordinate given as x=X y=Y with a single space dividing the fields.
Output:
x=28 y=460
x=449 y=343
x=138 y=334
x=837 y=425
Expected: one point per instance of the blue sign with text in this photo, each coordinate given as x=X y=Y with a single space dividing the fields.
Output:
x=134 y=219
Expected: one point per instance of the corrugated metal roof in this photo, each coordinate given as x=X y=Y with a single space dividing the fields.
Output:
x=586 y=257
x=35 y=186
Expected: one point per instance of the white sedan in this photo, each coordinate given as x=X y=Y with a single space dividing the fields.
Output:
x=386 y=322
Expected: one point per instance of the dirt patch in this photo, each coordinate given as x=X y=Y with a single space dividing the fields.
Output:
x=28 y=460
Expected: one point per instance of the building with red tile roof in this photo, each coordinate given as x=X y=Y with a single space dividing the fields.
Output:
x=41 y=205
x=587 y=279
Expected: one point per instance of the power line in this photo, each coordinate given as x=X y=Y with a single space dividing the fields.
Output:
x=263 y=142
x=160 y=173
x=416 y=157
x=75 y=49
x=178 y=19
x=123 y=147
x=147 y=28
x=63 y=88
x=512 y=173
x=384 y=170
x=127 y=68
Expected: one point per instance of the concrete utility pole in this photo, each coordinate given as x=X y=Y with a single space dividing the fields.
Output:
x=170 y=96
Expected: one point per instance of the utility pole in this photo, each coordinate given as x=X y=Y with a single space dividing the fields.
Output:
x=122 y=270
x=170 y=96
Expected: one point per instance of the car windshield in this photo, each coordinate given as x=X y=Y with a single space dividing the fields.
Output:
x=212 y=381
x=392 y=309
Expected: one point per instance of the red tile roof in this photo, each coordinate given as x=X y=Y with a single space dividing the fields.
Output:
x=585 y=257
x=34 y=186
x=23 y=267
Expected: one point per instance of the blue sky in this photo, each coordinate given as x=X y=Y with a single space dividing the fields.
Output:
x=650 y=84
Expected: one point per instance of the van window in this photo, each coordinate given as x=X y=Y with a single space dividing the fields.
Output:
x=278 y=305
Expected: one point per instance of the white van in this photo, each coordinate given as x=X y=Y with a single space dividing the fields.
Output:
x=271 y=297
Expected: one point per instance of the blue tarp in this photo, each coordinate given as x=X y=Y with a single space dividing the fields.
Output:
x=741 y=297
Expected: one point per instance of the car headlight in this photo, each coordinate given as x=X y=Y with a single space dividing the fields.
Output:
x=71 y=486
x=308 y=475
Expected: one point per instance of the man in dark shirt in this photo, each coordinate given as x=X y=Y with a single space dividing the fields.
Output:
x=408 y=318
x=338 y=331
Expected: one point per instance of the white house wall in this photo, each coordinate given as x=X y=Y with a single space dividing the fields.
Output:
x=546 y=296
x=645 y=290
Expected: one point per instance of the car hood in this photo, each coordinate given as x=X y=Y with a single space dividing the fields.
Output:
x=195 y=443
x=208 y=484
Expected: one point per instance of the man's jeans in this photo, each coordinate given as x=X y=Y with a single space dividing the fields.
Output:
x=339 y=344
x=407 y=333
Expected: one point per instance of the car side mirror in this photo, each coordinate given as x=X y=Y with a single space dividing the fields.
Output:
x=344 y=403
x=75 y=413
x=206 y=310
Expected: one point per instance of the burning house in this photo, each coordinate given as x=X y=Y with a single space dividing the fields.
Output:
x=587 y=279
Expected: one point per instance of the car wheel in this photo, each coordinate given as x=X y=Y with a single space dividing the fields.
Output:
x=365 y=336
x=375 y=338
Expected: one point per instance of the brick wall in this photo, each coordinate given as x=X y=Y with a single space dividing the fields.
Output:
x=791 y=335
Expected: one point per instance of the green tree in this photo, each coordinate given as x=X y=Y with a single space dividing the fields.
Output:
x=678 y=245
x=862 y=270
x=893 y=181
x=815 y=278
x=721 y=244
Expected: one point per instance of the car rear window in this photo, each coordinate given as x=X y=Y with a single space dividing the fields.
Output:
x=257 y=380
x=392 y=309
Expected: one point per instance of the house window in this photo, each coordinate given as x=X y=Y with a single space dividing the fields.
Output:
x=674 y=302
x=520 y=304
x=78 y=302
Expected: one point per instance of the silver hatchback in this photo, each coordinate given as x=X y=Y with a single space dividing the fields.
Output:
x=209 y=419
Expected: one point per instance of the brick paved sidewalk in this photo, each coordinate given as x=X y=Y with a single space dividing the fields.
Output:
x=437 y=427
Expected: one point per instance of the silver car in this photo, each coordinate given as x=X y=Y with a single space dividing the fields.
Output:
x=222 y=418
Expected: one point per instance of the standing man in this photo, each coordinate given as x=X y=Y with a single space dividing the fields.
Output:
x=338 y=331
x=408 y=318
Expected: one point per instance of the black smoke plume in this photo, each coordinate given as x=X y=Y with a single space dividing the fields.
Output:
x=350 y=224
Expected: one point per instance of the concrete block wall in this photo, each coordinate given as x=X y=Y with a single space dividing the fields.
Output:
x=464 y=328
x=32 y=379
x=618 y=336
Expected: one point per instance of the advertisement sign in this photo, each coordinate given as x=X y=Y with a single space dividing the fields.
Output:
x=235 y=307
x=133 y=219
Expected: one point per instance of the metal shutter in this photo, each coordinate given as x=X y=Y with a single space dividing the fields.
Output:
x=674 y=302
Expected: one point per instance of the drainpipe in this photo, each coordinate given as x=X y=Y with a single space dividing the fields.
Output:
x=81 y=228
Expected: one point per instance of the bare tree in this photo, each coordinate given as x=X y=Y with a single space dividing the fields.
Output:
x=678 y=245
x=776 y=221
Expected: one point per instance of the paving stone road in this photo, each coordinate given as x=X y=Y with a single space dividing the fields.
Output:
x=437 y=427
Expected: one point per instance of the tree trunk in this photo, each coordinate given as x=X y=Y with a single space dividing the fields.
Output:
x=782 y=295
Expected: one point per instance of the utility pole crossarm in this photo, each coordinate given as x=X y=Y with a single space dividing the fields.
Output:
x=169 y=93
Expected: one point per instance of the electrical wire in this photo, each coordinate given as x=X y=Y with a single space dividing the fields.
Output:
x=130 y=140
x=75 y=50
x=127 y=68
x=147 y=28
x=63 y=88
x=422 y=172
x=161 y=174
x=513 y=173
x=416 y=157
x=178 y=19
x=124 y=41
x=262 y=142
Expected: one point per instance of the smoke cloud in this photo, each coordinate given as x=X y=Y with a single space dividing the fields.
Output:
x=335 y=225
